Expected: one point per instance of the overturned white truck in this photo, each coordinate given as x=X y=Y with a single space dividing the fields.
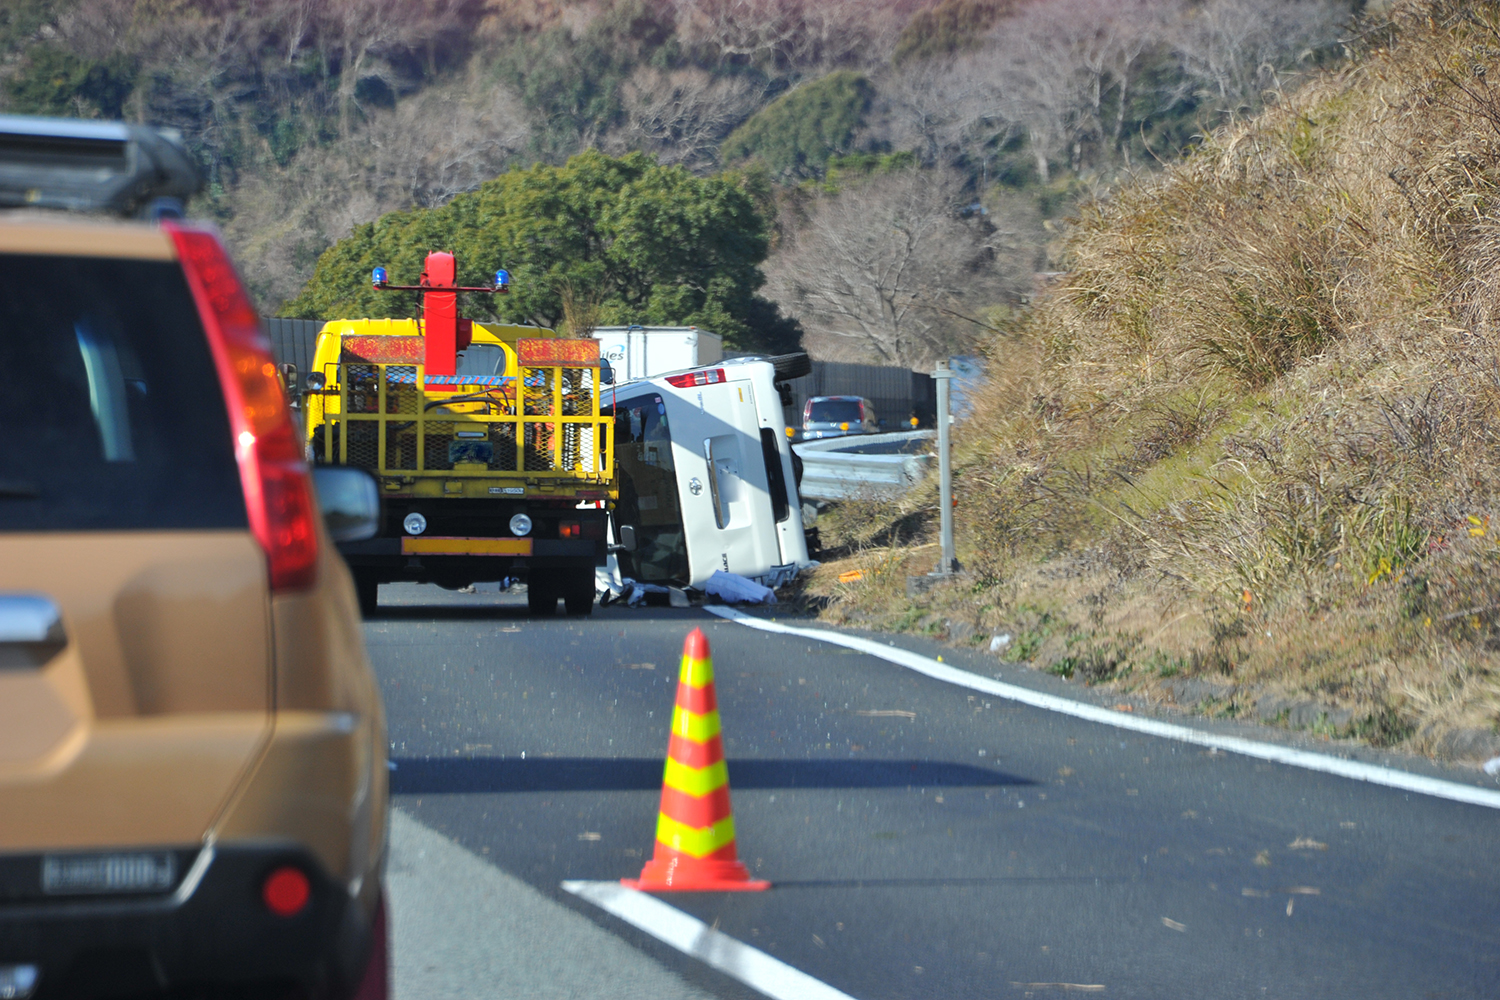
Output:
x=706 y=474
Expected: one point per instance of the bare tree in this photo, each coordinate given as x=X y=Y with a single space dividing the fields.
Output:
x=682 y=115
x=1050 y=70
x=795 y=33
x=928 y=105
x=1232 y=51
x=1034 y=85
x=356 y=31
x=424 y=151
x=890 y=269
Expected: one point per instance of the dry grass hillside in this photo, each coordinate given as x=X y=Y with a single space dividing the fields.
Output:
x=1245 y=458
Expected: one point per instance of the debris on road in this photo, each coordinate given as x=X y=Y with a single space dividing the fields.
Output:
x=999 y=643
x=735 y=589
x=877 y=713
x=634 y=593
x=1492 y=767
x=1169 y=922
x=1307 y=844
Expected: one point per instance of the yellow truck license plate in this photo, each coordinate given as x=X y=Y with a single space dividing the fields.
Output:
x=438 y=546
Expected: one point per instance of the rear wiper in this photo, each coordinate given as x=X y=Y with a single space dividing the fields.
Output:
x=16 y=489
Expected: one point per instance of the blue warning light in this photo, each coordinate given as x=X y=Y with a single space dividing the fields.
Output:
x=502 y=280
x=378 y=277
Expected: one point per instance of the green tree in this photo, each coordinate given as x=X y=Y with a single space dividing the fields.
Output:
x=650 y=244
x=54 y=81
x=795 y=135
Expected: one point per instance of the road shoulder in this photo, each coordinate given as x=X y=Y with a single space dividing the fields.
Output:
x=464 y=929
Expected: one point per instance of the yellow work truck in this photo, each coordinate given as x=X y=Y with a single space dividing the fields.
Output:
x=494 y=456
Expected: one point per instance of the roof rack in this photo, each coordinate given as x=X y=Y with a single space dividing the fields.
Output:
x=92 y=166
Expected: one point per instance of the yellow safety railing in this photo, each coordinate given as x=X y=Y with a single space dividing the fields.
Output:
x=545 y=425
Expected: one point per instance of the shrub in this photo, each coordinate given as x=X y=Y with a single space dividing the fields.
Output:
x=796 y=134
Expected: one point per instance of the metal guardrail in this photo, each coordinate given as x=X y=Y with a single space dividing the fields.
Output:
x=883 y=465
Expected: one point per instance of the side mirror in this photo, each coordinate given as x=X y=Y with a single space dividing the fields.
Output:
x=627 y=537
x=350 y=502
x=606 y=373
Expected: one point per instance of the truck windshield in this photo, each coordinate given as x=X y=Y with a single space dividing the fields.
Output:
x=109 y=401
x=836 y=411
x=648 y=492
x=481 y=359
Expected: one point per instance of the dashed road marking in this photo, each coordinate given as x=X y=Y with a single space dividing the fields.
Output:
x=1356 y=770
x=693 y=937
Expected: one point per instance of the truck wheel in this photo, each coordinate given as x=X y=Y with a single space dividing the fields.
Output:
x=578 y=598
x=367 y=588
x=541 y=595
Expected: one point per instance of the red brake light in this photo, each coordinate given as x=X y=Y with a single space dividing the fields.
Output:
x=286 y=891
x=691 y=379
x=570 y=529
x=278 y=491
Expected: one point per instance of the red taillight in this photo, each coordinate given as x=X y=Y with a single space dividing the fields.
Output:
x=569 y=529
x=690 y=379
x=286 y=891
x=278 y=492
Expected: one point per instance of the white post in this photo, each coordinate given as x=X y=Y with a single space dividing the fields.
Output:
x=949 y=562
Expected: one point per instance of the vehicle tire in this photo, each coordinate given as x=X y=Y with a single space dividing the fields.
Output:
x=541 y=595
x=578 y=596
x=367 y=588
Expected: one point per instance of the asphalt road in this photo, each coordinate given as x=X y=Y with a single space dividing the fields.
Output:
x=925 y=841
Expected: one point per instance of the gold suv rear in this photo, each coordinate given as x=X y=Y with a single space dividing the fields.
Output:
x=192 y=747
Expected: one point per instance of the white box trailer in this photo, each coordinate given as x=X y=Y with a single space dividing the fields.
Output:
x=637 y=352
x=706 y=477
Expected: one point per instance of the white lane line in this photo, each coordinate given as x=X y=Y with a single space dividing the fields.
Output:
x=693 y=937
x=1373 y=773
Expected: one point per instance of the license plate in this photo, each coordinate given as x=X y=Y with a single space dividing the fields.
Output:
x=72 y=874
x=437 y=546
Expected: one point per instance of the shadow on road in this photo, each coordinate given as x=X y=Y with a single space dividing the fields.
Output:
x=615 y=774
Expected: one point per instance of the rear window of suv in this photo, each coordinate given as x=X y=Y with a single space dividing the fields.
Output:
x=111 y=416
x=836 y=411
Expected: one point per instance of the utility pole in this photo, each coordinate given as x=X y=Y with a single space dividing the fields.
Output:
x=943 y=376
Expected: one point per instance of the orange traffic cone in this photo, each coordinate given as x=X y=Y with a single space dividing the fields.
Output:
x=695 y=829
